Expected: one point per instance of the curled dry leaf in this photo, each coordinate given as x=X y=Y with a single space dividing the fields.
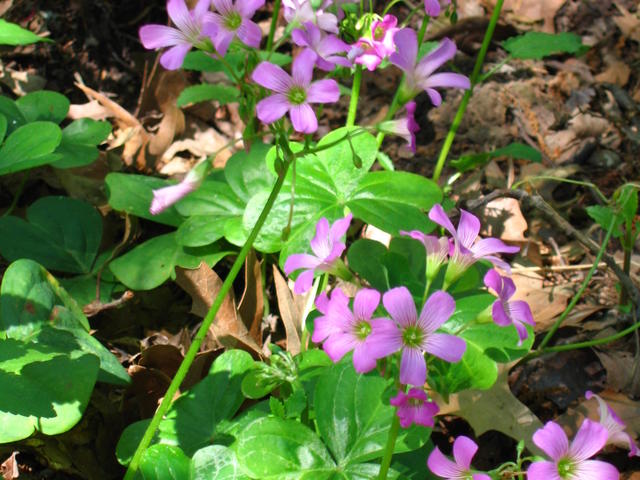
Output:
x=9 y=467
x=291 y=311
x=503 y=219
x=228 y=330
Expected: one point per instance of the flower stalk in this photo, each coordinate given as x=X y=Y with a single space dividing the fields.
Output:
x=206 y=323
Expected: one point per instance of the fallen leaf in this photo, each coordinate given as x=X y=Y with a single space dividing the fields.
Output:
x=9 y=467
x=620 y=367
x=628 y=23
x=617 y=72
x=291 y=309
x=251 y=306
x=92 y=109
x=504 y=220
x=494 y=409
x=546 y=302
x=203 y=285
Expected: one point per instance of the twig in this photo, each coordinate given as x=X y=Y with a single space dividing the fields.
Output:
x=556 y=268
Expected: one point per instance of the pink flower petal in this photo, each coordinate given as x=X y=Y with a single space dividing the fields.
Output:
x=323 y=91
x=436 y=311
x=552 y=440
x=339 y=228
x=303 y=118
x=384 y=339
x=438 y=215
x=463 y=451
x=363 y=361
x=320 y=243
x=445 y=80
x=468 y=228
x=406 y=50
x=338 y=345
x=589 y=440
x=303 y=282
x=173 y=58
x=399 y=303
x=499 y=315
x=300 y=260
x=179 y=14
x=247 y=8
x=163 y=198
x=272 y=108
x=436 y=58
x=443 y=467
x=596 y=470
x=543 y=471
x=447 y=347
x=365 y=303
x=201 y=8
x=160 y=36
x=250 y=34
x=302 y=69
x=223 y=40
x=413 y=369
x=493 y=280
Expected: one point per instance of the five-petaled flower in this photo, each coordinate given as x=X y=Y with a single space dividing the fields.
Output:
x=327 y=247
x=234 y=19
x=419 y=74
x=416 y=335
x=437 y=250
x=467 y=250
x=194 y=28
x=463 y=451
x=505 y=312
x=325 y=46
x=616 y=433
x=571 y=461
x=343 y=330
x=414 y=407
x=294 y=93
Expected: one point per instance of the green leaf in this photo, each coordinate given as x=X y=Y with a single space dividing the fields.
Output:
x=514 y=150
x=61 y=233
x=151 y=263
x=14 y=117
x=34 y=308
x=29 y=146
x=216 y=462
x=133 y=194
x=43 y=105
x=79 y=142
x=352 y=418
x=603 y=215
x=537 y=45
x=12 y=34
x=164 y=462
x=129 y=440
x=205 y=92
x=366 y=259
x=277 y=449
x=191 y=426
x=34 y=394
x=3 y=127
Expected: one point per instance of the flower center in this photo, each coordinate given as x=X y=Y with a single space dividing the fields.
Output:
x=362 y=329
x=565 y=468
x=233 y=20
x=297 y=95
x=378 y=33
x=415 y=402
x=412 y=337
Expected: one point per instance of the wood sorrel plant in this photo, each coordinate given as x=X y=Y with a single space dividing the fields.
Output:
x=422 y=321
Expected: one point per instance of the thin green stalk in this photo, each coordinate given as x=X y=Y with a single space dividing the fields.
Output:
x=423 y=29
x=204 y=328
x=391 y=445
x=16 y=197
x=274 y=24
x=355 y=94
x=467 y=95
x=581 y=290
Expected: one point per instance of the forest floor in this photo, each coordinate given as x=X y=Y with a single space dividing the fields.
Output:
x=582 y=113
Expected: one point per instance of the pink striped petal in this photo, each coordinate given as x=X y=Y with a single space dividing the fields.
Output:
x=160 y=36
x=365 y=303
x=543 y=471
x=436 y=58
x=436 y=311
x=323 y=91
x=173 y=58
x=552 y=440
x=247 y=8
x=179 y=14
x=463 y=451
x=302 y=68
x=406 y=50
x=589 y=440
x=303 y=118
x=399 y=303
x=596 y=470
x=384 y=339
x=272 y=108
x=300 y=260
x=303 y=282
x=413 y=368
x=447 y=347
x=443 y=467
x=250 y=34
x=438 y=215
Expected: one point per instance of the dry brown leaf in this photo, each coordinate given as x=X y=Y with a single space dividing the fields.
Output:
x=92 y=109
x=528 y=11
x=116 y=110
x=172 y=122
x=494 y=409
x=620 y=367
x=251 y=306
x=546 y=302
x=505 y=220
x=290 y=311
x=9 y=467
x=628 y=23
x=203 y=285
x=617 y=72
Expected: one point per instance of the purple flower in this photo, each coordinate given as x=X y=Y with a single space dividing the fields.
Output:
x=294 y=93
x=324 y=46
x=164 y=197
x=234 y=19
x=371 y=50
x=505 y=313
x=413 y=407
x=419 y=74
x=415 y=335
x=615 y=427
x=463 y=451
x=467 y=250
x=327 y=247
x=405 y=127
x=194 y=28
x=571 y=462
x=433 y=7
x=437 y=251
x=298 y=12
x=343 y=330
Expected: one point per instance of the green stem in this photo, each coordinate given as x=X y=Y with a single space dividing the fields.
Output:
x=355 y=93
x=581 y=290
x=16 y=197
x=206 y=323
x=423 y=29
x=274 y=24
x=391 y=445
x=467 y=95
